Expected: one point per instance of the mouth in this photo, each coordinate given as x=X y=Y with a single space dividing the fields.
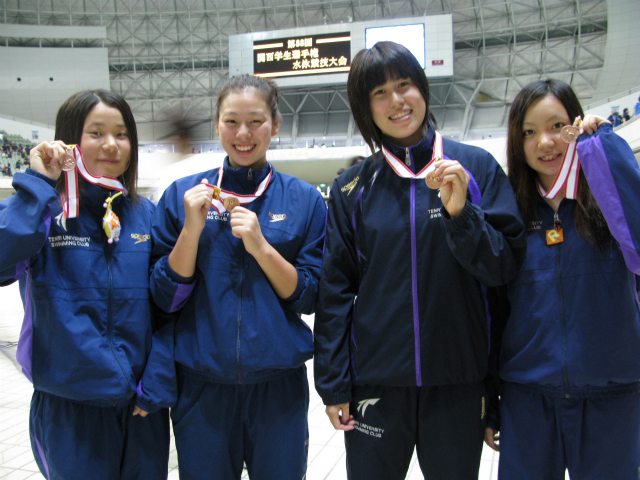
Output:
x=244 y=148
x=550 y=157
x=401 y=115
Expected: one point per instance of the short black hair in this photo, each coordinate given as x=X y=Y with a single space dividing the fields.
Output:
x=372 y=67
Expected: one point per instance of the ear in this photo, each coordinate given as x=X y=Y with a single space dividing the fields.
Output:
x=217 y=130
x=276 y=126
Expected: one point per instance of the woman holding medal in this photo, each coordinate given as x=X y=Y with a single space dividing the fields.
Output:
x=401 y=331
x=238 y=252
x=87 y=329
x=569 y=358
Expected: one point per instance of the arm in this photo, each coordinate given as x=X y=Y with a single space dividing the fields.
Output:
x=613 y=175
x=281 y=274
x=197 y=202
x=158 y=387
x=499 y=310
x=489 y=239
x=169 y=289
x=338 y=288
x=24 y=223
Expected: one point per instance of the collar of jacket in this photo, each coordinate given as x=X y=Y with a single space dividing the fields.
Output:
x=237 y=180
x=420 y=152
x=92 y=197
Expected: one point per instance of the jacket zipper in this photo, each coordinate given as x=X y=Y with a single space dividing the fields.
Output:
x=110 y=311
x=414 y=275
x=565 y=373
x=240 y=381
x=407 y=157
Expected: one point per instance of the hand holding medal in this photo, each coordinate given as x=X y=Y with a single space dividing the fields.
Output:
x=47 y=158
x=570 y=133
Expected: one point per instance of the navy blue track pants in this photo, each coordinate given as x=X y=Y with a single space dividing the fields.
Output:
x=72 y=440
x=542 y=436
x=218 y=426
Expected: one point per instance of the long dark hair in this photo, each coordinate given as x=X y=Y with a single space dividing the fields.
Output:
x=372 y=67
x=590 y=223
x=70 y=123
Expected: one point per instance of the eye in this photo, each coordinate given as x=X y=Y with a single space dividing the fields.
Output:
x=123 y=135
x=404 y=83
x=527 y=133
x=558 y=125
x=229 y=120
x=379 y=91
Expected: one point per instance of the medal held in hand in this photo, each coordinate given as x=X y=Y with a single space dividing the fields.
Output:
x=432 y=180
x=230 y=203
x=569 y=133
x=68 y=161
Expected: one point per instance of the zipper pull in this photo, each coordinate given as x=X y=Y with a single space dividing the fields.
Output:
x=249 y=175
x=407 y=157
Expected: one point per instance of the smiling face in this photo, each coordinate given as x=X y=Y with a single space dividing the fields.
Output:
x=543 y=147
x=398 y=109
x=245 y=128
x=105 y=142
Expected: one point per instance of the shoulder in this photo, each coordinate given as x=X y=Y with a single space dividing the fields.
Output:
x=181 y=185
x=355 y=176
x=464 y=153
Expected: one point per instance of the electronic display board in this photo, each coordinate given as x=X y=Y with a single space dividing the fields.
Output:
x=302 y=55
x=411 y=36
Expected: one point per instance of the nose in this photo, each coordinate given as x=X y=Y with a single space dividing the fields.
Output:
x=397 y=99
x=547 y=139
x=244 y=130
x=109 y=143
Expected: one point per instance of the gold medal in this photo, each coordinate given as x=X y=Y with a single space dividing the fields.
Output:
x=230 y=203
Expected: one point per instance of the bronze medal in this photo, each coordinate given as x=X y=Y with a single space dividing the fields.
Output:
x=68 y=161
x=230 y=203
x=432 y=180
x=569 y=133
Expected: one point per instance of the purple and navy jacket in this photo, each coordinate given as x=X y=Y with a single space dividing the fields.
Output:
x=232 y=327
x=574 y=323
x=401 y=294
x=88 y=323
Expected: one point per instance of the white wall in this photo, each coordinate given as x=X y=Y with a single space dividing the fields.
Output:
x=25 y=129
x=48 y=76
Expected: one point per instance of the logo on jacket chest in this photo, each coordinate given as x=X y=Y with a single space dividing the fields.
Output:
x=69 y=241
x=214 y=215
x=277 y=217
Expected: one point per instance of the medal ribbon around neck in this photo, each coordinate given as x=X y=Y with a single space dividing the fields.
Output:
x=219 y=194
x=71 y=204
x=567 y=177
x=404 y=171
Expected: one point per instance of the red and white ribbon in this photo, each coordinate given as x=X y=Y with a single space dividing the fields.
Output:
x=404 y=171
x=567 y=177
x=71 y=204
x=218 y=204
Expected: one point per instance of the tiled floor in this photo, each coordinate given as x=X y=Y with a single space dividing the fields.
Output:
x=326 y=450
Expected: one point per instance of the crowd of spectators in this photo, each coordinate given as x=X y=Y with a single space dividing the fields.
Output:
x=616 y=119
x=14 y=157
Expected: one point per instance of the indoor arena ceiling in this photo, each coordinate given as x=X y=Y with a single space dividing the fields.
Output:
x=172 y=56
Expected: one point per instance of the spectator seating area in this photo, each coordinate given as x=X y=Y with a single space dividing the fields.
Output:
x=15 y=154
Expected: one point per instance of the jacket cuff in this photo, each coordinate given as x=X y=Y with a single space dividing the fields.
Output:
x=337 y=399
x=33 y=173
x=177 y=278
